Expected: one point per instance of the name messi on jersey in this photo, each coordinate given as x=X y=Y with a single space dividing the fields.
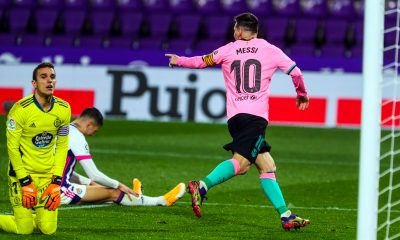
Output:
x=246 y=50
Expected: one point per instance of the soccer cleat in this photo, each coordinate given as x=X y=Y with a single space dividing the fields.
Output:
x=198 y=195
x=294 y=222
x=137 y=186
x=176 y=193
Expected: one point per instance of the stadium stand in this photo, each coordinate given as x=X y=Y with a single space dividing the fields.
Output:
x=300 y=27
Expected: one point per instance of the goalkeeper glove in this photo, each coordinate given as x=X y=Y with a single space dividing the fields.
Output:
x=29 y=193
x=53 y=194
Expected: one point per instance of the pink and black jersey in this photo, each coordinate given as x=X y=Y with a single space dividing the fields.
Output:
x=248 y=67
x=78 y=149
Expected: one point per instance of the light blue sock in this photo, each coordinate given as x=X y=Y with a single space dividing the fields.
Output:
x=223 y=172
x=273 y=192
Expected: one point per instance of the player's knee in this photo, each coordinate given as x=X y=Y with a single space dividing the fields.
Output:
x=48 y=228
x=244 y=169
x=25 y=226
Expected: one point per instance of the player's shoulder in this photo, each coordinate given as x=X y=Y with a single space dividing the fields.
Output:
x=61 y=102
x=75 y=135
x=24 y=102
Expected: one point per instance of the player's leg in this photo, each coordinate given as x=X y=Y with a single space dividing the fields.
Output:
x=22 y=221
x=167 y=199
x=266 y=167
x=223 y=172
x=46 y=220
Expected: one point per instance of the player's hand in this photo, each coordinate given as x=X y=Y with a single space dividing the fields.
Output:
x=53 y=194
x=302 y=102
x=29 y=192
x=173 y=58
x=126 y=190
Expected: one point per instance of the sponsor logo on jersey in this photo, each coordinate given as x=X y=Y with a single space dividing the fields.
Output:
x=42 y=139
x=32 y=125
x=57 y=123
x=11 y=124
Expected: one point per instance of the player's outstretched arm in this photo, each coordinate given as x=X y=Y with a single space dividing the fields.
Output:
x=187 y=62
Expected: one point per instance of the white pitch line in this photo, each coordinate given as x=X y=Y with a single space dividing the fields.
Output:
x=226 y=205
x=204 y=156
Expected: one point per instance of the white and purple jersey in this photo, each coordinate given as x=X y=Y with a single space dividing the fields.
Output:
x=248 y=67
x=78 y=150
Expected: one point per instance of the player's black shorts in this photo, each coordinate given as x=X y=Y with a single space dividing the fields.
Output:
x=248 y=133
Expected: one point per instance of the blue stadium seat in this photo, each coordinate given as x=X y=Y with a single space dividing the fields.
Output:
x=306 y=29
x=208 y=6
x=260 y=7
x=340 y=9
x=159 y=24
x=287 y=8
x=234 y=7
x=102 y=21
x=18 y=19
x=73 y=20
x=276 y=29
x=314 y=8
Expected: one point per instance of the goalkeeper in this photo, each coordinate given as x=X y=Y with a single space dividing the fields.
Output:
x=99 y=187
x=37 y=144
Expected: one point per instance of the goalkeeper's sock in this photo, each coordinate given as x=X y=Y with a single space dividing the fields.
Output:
x=153 y=201
x=273 y=192
x=130 y=200
x=223 y=172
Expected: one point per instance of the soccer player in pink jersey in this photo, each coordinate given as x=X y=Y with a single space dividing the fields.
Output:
x=248 y=64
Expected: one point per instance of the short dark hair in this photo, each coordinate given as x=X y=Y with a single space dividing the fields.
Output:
x=42 y=65
x=93 y=113
x=248 y=21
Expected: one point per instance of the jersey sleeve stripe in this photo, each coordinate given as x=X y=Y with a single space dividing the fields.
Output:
x=83 y=157
x=290 y=69
x=63 y=131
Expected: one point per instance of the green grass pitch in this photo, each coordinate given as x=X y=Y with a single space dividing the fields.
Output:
x=317 y=171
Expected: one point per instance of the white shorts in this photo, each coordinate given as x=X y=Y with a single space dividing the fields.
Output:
x=72 y=193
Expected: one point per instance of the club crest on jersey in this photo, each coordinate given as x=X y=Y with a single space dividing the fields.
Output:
x=11 y=124
x=42 y=139
x=57 y=123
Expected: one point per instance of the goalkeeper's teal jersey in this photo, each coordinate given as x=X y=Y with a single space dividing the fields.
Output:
x=37 y=141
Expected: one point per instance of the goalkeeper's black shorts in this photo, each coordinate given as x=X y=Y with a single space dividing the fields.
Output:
x=248 y=133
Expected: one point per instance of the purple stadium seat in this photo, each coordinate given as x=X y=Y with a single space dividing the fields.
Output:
x=121 y=42
x=359 y=31
x=181 y=6
x=359 y=7
x=314 y=8
x=207 y=46
x=18 y=19
x=287 y=8
x=76 y=4
x=24 y=4
x=152 y=6
x=306 y=29
x=102 y=21
x=260 y=7
x=32 y=40
x=357 y=52
x=302 y=50
x=276 y=29
x=130 y=5
x=181 y=44
x=73 y=20
x=233 y=7
x=218 y=26
x=51 y=4
x=341 y=9
x=150 y=43
x=45 y=20
x=159 y=24
x=130 y=23
x=188 y=25
x=62 y=41
x=7 y=39
x=90 y=42
x=335 y=30
x=103 y=4
x=208 y=6
x=333 y=51
x=5 y=4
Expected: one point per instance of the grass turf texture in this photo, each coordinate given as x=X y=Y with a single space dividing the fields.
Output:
x=317 y=171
